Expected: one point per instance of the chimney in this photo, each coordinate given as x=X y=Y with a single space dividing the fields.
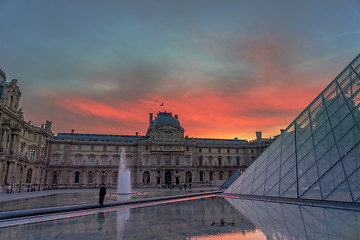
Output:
x=176 y=116
x=72 y=131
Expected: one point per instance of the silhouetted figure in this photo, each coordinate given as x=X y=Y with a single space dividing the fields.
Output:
x=102 y=194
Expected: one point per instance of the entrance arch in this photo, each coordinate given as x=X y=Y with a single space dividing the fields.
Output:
x=146 y=177
x=168 y=177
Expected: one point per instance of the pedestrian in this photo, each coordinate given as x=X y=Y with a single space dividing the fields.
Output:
x=102 y=194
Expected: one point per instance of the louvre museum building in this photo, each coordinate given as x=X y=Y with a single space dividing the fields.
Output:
x=32 y=158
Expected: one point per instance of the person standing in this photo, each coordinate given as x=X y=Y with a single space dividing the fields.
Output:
x=102 y=194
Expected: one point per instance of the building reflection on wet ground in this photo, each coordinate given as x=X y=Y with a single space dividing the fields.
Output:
x=199 y=218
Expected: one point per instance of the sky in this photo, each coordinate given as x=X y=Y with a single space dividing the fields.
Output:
x=227 y=68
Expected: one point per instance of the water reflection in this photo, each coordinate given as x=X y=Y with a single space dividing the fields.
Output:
x=290 y=221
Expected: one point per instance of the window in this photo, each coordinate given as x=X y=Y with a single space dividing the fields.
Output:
x=128 y=149
x=116 y=160
x=77 y=177
x=146 y=148
x=28 y=175
x=103 y=177
x=201 y=176
x=90 y=177
x=200 y=161
x=92 y=148
x=200 y=150
x=79 y=147
x=103 y=160
x=78 y=160
x=116 y=148
x=104 y=148
x=221 y=175
x=210 y=161
x=115 y=177
x=146 y=160
x=209 y=150
x=167 y=160
x=237 y=150
x=219 y=150
x=56 y=159
x=228 y=150
x=219 y=162
x=177 y=161
x=188 y=160
x=91 y=160
x=35 y=137
x=158 y=160
x=187 y=148
x=128 y=160
x=238 y=161
x=32 y=154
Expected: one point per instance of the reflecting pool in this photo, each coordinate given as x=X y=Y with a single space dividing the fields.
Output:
x=64 y=199
x=205 y=218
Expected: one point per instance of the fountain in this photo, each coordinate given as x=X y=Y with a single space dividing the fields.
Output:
x=123 y=188
x=124 y=179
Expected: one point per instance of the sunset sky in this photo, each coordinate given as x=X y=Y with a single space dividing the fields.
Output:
x=227 y=68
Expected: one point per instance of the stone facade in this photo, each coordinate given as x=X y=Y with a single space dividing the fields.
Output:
x=32 y=158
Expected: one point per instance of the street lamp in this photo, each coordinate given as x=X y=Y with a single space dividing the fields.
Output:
x=12 y=183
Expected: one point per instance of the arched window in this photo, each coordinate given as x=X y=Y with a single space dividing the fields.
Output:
x=103 y=177
x=115 y=177
x=221 y=175
x=146 y=177
x=211 y=175
x=77 y=177
x=90 y=177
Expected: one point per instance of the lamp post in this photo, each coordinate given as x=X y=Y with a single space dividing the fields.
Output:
x=20 y=184
x=12 y=183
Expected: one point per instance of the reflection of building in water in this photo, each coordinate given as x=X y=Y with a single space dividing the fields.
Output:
x=31 y=158
x=291 y=221
x=186 y=219
x=318 y=155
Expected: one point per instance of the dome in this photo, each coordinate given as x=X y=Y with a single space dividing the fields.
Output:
x=164 y=118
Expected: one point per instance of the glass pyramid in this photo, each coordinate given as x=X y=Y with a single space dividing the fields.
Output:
x=231 y=179
x=318 y=155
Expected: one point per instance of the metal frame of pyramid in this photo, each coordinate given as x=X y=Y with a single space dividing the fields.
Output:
x=318 y=155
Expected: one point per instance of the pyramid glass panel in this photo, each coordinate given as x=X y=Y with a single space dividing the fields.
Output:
x=318 y=155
